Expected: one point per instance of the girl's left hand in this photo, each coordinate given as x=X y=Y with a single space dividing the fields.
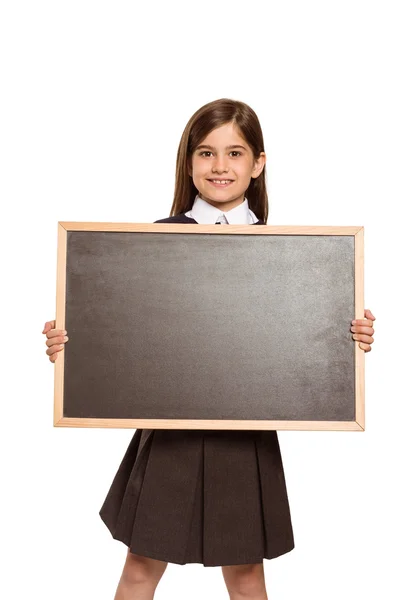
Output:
x=363 y=330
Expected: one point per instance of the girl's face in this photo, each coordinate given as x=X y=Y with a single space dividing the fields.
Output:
x=224 y=155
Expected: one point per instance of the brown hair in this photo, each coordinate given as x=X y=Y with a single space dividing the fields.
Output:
x=206 y=119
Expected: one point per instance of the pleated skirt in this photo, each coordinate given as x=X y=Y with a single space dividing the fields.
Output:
x=201 y=496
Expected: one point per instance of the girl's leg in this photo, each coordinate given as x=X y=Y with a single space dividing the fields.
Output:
x=245 y=582
x=139 y=578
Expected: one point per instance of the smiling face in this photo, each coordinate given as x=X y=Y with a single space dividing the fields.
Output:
x=225 y=156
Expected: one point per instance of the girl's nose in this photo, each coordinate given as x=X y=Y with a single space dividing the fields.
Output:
x=220 y=165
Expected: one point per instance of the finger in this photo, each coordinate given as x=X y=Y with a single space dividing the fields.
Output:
x=363 y=322
x=365 y=347
x=60 y=339
x=48 y=325
x=53 y=357
x=55 y=333
x=360 y=329
x=368 y=314
x=363 y=338
x=54 y=349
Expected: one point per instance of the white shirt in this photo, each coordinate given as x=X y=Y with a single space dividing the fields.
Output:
x=204 y=213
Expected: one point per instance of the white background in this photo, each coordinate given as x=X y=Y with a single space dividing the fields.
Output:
x=94 y=99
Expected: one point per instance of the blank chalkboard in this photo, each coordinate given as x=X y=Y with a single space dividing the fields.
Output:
x=189 y=326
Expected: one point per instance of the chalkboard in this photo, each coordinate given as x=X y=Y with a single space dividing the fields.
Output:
x=189 y=326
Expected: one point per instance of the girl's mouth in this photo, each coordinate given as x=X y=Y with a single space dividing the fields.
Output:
x=221 y=183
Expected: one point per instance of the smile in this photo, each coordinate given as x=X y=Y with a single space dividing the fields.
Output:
x=220 y=182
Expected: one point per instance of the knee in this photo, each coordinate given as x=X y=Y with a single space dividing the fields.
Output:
x=141 y=570
x=245 y=580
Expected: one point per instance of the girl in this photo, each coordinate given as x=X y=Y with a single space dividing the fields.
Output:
x=203 y=496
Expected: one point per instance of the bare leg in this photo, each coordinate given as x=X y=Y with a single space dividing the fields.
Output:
x=139 y=578
x=245 y=582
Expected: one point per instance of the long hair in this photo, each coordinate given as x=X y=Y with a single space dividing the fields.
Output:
x=206 y=119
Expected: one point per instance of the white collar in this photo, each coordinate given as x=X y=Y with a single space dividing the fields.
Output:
x=204 y=213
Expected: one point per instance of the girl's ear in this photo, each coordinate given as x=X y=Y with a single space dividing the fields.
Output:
x=258 y=164
x=189 y=168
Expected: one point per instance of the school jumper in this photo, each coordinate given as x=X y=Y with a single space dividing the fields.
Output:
x=215 y=497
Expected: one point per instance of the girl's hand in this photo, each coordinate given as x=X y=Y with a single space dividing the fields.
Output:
x=55 y=340
x=363 y=330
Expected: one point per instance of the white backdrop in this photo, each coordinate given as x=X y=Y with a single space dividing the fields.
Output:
x=95 y=96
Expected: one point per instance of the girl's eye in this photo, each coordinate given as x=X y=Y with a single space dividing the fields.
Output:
x=209 y=152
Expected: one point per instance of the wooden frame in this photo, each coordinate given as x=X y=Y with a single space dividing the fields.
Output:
x=358 y=232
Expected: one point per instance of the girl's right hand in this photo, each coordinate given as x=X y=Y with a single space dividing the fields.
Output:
x=55 y=340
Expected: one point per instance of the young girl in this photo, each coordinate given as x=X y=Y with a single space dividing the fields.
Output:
x=205 y=496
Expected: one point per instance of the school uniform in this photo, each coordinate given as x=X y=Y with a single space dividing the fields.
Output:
x=215 y=497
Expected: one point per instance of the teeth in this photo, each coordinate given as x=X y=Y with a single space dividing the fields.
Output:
x=220 y=181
